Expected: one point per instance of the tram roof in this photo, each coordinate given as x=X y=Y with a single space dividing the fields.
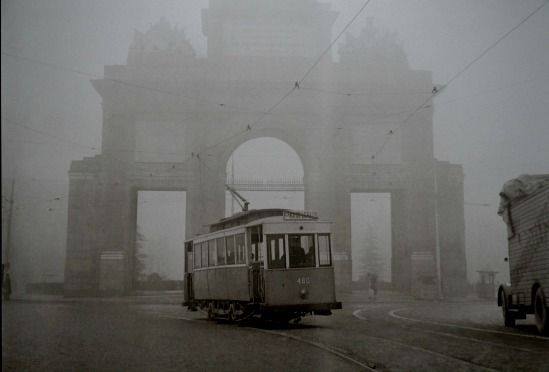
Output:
x=243 y=218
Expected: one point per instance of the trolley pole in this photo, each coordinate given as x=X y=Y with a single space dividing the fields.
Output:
x=232 y=183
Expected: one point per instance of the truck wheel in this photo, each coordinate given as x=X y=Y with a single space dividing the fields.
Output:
x=211 y=312
x=508 y=318
x=231 y=314
x=541 y=313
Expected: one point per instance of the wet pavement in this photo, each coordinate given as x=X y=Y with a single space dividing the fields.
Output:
x=154 y=332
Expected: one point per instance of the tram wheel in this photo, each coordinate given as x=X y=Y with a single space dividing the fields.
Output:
x=211 y=312
x=541 y=313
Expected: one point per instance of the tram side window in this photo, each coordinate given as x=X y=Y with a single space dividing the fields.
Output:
x=276 y=252
x=302 y=250
x=239 y=242
x=197 y=255
x=220 y=251
x=211 y=252
x=204 y=254
x=229 y=243
x=324 y=251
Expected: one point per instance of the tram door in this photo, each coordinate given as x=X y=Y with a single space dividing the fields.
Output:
x=255 y=257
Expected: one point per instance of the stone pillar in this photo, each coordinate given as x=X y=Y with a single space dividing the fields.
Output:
x=327 y=192
x=451 y=229
x=116 y=200
x=417 y=156
x=206 y=195
x=81 y=261
x=400 y=258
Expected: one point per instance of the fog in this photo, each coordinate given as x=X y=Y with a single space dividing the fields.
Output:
x=492 y=119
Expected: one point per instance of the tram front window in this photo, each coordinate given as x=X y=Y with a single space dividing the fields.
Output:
x=275 y=252
x=301 y=250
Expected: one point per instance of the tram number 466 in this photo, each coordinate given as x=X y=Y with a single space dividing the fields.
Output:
x=304 y=280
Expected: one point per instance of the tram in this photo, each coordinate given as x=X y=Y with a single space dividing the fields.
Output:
x=273 y=263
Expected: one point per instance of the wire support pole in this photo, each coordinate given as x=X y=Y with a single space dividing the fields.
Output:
x=437 y=233
x=9 y=224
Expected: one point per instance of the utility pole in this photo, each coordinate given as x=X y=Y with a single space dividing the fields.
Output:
x=6 y=268
x=9 y=224
x=437 y=236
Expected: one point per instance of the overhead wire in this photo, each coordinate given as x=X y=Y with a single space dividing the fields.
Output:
x=492 y=90
x=247 y=128
x=438 y=90
x=193 y=156
x=127 y=83
x=329 y=47
x=360 y=93
x=296 y=84
x=290 y=91
x=78 y=144
x=495 y=43
x=47 y=134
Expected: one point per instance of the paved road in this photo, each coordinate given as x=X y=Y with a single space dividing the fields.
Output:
x=396 y=336
x=120 y=337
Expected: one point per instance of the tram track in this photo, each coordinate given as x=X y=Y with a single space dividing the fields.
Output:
x=437 y=354
x=348 y=354
x=340 y=353
x=393 y=313
x=357 y=315
x=514 y=350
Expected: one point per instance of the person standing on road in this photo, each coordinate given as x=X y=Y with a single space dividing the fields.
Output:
x=373 y=284
x=6 y=287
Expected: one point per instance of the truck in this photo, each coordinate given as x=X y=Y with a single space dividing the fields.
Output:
x=524 y=207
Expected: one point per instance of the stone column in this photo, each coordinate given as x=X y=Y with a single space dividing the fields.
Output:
x=327 y=192
x=116 y=198
x=417 y=152
x=206 y=195
x=400 y=257
x=81 y=260
x=453 y=262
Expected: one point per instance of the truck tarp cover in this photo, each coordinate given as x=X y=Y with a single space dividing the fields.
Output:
x=519 y=188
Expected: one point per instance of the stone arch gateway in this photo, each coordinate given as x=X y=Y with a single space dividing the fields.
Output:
x=205 y=107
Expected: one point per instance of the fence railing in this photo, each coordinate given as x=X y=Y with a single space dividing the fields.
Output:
x=259 y=184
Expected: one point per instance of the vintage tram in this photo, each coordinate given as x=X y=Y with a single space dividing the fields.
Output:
x=273 y=263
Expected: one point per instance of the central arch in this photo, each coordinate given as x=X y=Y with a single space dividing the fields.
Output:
x=273 y=132
x=264 y=165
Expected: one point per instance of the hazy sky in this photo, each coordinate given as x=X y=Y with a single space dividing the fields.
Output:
x=493 y=119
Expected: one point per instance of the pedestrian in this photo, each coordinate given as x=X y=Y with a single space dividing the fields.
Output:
x=6 y=287
x=373 y=284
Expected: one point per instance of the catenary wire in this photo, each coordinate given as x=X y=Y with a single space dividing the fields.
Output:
x=126 y=83
x=329 y=47
x=437 y=91
x=249 y=126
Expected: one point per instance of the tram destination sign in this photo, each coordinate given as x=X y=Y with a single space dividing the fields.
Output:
x=290 y=215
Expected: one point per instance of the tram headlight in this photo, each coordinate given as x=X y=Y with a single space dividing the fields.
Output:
x=303 y=293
